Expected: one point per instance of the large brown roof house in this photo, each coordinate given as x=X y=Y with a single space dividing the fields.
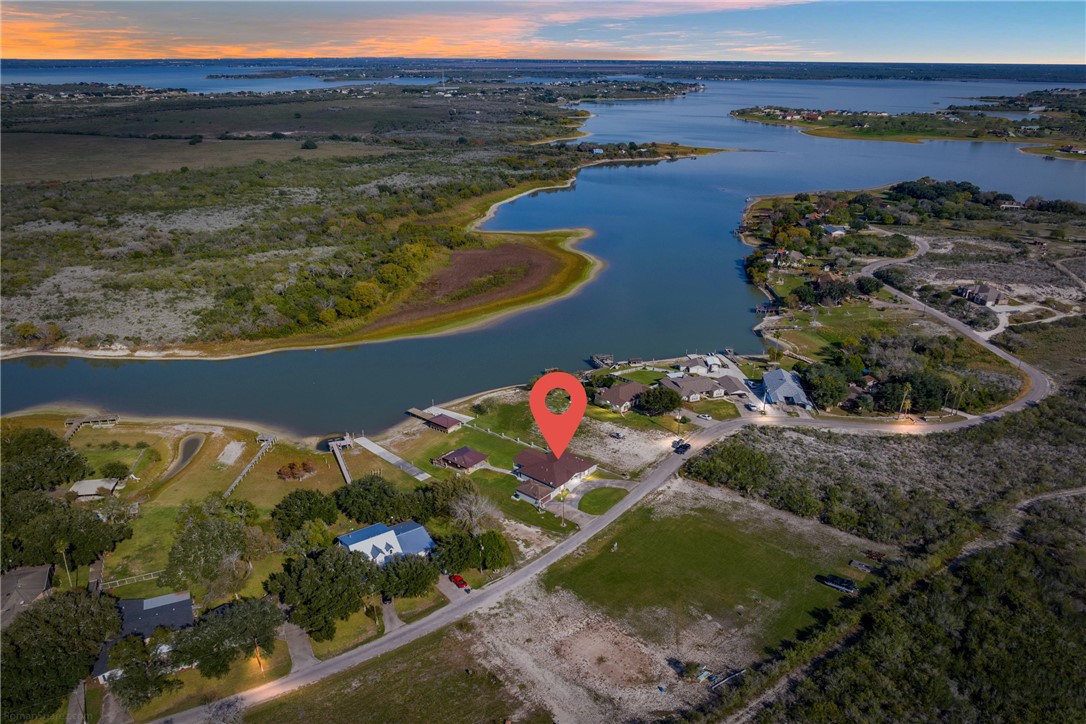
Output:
x=464 y=458
x=544 y=475
x=620 y=397
x=692 y=389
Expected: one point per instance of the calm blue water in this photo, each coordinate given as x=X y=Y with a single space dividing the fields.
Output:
x=672 y=283
x=192 y=77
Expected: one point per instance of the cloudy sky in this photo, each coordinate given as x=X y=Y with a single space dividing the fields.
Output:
x=788 y=30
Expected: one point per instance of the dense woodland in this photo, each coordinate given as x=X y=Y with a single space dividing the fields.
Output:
x=1000 y=637
x=916 y=491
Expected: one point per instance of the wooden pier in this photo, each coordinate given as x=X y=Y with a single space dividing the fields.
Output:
x=98 y=420
x=266 y=440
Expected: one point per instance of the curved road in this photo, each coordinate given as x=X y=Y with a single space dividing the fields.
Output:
x=496 y=591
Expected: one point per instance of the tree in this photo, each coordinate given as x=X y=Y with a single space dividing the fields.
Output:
x=457 y=552
x=370 y=500
x=474 y=512
x=826 y=383
x=300 y=506
x=443 y=491
x=496 y=551
x=50 y=647
x=658 y=401
x=324 y=587
x=309 y=144
x=208 y=545
x=114 y=469
x=868 y=285
x=226 y=633
x=33 y=524
x=146 y=668
x=313 y=535
x=35 y=458
x=408 y=576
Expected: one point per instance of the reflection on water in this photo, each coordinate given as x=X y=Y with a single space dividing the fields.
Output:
x=672 y=284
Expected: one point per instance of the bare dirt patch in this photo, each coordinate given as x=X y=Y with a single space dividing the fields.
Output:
x=577 y=662
x=467 y=267
x=634 y=452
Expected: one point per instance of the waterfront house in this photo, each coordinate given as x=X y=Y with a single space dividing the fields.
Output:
x=732 y=386
x=783 y=387
x=693 y=389
x=444 y=423
x=464 y=459
x=620 y=397
x=543 y=476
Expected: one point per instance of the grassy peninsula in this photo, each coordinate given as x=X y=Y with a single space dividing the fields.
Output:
x=243 y=223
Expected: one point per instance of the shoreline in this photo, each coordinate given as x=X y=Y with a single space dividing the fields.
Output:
x=574 y=237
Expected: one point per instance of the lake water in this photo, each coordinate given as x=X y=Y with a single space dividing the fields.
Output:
x=193 y=77
x=672 y=283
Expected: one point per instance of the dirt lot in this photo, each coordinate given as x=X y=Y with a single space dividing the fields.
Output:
x=577 y=662
x=1023 y=272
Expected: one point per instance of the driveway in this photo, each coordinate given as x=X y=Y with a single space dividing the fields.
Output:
x=299 y=645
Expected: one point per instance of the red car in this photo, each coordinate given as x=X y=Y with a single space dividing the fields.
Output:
x=458 y=581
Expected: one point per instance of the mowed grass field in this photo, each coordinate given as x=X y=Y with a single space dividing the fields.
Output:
x=71 y=157
x=669 y=571
x=601 y=500
x=434 y=679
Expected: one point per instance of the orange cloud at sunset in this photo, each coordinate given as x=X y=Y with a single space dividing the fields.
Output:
x=275 y=30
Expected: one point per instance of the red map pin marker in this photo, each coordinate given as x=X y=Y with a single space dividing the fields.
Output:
x=558 y=430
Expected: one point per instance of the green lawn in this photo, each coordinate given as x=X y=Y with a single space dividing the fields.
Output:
x=499 y=488
x=601 y=500
x=95 y=694
x=645 y=377
x=149 y=547
x=412 y=609
x=196 y=690
x=718 y=409
x=632 y=419
x=434 y=679
x=96 y=458
x=513 y=419
x=431 y=444
x=667 y=572
x=359 y=628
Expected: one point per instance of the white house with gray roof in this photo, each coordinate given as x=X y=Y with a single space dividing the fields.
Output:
x=783 y=387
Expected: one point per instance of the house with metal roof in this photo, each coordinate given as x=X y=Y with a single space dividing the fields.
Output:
x=380 y=543
x=783 y=387
x=141 y=616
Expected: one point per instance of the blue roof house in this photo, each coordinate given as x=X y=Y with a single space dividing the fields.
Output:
x=380 y=543
x=782 y=386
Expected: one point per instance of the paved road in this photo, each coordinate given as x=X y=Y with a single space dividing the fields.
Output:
x=1040 y=386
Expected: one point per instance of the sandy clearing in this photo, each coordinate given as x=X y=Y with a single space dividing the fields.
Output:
x=577 y=662
x=231 y=452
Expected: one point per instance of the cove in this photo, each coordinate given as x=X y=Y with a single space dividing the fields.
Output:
x=672 y=283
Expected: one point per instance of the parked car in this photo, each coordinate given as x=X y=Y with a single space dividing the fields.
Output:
x=458 y=581
x=704 y=416
x=681 y=449
x=751 y=406
x=677 y=443
x=618 y=435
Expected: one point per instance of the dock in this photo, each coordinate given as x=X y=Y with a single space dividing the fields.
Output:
x=98 y=420
x=266 y=440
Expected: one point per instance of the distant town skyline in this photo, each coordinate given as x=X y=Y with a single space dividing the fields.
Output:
x=992 y=31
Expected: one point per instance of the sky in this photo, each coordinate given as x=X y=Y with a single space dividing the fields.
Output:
x=994 y=31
